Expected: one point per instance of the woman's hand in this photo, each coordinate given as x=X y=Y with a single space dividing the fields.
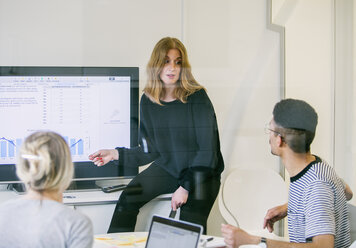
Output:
x=179 y=197
x=104 y=156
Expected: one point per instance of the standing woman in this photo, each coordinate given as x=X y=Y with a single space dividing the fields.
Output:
x=39 y=219
x=179 y=134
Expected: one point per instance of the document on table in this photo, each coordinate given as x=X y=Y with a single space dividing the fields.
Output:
x=127 y=240
x=138 y=240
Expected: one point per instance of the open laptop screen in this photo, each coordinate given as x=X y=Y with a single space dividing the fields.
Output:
x=165 y=232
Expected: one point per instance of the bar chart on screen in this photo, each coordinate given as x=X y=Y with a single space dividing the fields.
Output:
x=92 y=108
x=9 y=148
x=69 y=105
x=79 y=147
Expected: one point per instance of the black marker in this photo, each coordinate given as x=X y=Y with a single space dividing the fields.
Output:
x=209 y=239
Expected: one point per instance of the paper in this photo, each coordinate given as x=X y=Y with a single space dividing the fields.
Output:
x=122 y=240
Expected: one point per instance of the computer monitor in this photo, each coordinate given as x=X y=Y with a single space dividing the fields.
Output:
x=91 y=107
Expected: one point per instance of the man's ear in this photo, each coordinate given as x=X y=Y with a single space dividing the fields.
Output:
x=280 y=141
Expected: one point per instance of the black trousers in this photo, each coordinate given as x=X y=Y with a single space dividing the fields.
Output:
x=153 y=182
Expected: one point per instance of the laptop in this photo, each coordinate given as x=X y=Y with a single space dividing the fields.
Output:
x=166 y=232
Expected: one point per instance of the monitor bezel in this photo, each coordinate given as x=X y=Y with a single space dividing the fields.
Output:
x=82 y=169
x=184 y=225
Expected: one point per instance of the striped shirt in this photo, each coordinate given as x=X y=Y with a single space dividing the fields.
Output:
x=317 y=205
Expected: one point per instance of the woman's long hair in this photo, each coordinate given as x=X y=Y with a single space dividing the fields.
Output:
x=186 y=84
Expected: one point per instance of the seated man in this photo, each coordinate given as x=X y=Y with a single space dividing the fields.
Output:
x=317 y=210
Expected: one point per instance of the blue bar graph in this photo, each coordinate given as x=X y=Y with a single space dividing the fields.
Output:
x=3 y=148
x=11 y=149
x=72 y=146
x=8 y=147
x=80 y=147
x=18 y=142
x=76 y=146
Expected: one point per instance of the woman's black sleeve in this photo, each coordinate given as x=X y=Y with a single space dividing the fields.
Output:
x=208 y=156
x=145 y=152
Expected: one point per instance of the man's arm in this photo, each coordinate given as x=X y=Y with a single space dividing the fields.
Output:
x=320 y=241
x=348 y=192
x=234 y=237
x=347 y=189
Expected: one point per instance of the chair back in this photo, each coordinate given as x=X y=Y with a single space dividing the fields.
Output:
x=247 y=194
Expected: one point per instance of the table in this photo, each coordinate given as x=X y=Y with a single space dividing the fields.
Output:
x=138 y=240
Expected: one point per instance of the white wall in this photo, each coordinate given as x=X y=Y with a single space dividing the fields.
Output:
x=309 y=62
x=85 y=32
x=345 y=81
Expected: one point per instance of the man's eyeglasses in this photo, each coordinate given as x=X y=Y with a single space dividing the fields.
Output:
x=268 y=130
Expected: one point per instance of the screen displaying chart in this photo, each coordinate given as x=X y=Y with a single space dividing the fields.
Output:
x=90 y=112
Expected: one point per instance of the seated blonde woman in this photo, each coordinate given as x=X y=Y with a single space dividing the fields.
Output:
x=39 y=219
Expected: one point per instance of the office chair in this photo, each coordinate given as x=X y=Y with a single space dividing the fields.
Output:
x=247 y=194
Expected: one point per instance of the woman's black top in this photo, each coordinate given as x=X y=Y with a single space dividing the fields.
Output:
x=179 y=137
